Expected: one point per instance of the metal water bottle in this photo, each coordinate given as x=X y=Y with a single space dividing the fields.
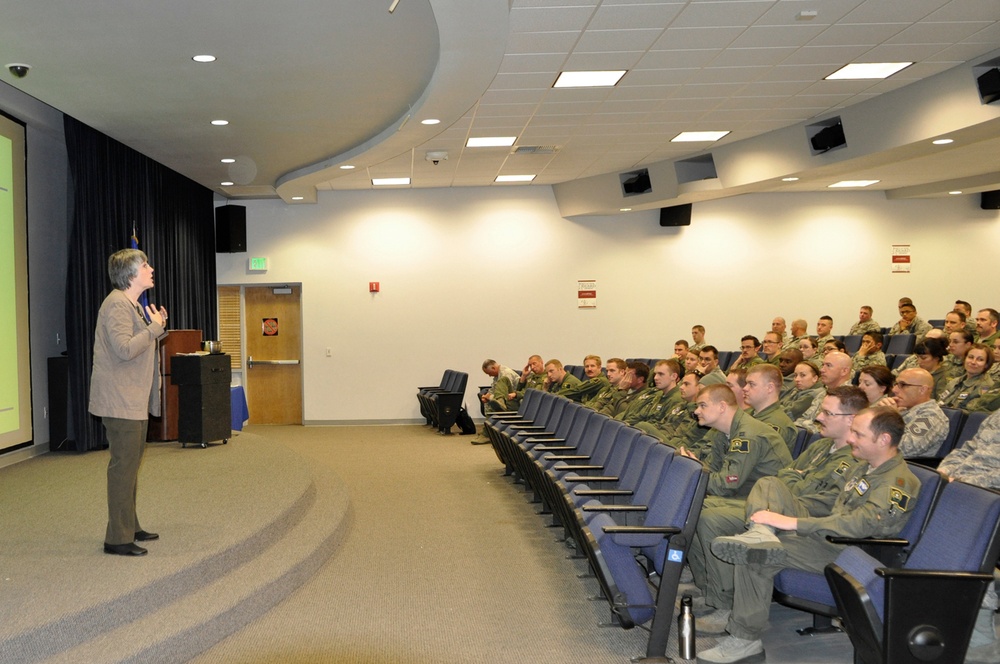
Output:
x=685 y=629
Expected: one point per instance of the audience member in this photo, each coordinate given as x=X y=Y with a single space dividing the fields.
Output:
x=810 y=351
x=813 y=482
x=824 y=330
x=691 y=362
x=965 y=389
x=798 y=333
x=954 y=321
x=913 y=360
x=666 y=375
x=865 y=322
x=749 y=349
x=772 y=347
x=778 y=327
x=606 y=401
x=698 y=335
x=986 y=326
x=834 y=346
x=870 y=352
x=876 y=501
x=632 y=385
x=532 y=377
x=959 y=344
x=876 y=382
x=589 y=388
x=926 y=424
x=909 y=322
x=679 y=426
x=640 y=406
x=930 y=356
x=743 y=451
x=786 y=365
x=736 y=379
x=681 y=347
x=557 y=379
x=836 y=371
x=761 y=390
x=505 y=379
x=708 y=366
x=966 y=308
x=807 y=386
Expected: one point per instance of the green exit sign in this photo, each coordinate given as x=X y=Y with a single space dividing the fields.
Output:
x=258 y=263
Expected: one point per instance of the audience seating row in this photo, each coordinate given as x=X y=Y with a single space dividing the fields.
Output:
x=439 y=404
x=619 y=495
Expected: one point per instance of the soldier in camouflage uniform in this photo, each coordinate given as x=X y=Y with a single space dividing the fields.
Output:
x=806 y=386
x=698 y=336
x=505 y=379
x=876 y=501
x=962 y=391
x=865 y=322
x=763 y=386
x=814 y=479
x=986 y=326
x=836 y=371
x=926 y=425
x=557 y=379
x=824 y=330
x=677 y=425
x=666 y=373
x=606 y=401
x=749 y=347
x=870 y=352
x=909 y=322
x=532 y=377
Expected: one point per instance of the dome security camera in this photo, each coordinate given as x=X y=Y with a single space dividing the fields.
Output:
x=18 y=69
x=436 y=156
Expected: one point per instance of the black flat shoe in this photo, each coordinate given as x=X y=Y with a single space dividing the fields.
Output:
x=124 y=549
x=143 y=536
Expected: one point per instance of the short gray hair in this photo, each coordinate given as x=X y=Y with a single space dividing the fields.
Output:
x=123 y=265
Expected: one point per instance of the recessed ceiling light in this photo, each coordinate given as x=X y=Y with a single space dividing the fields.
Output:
x=865 y=70
x=491 y=142
x=589 y=79
x=514 y=178
x=226 y=184
x=220 y=123
x=347 y=167
x=789 y=179
x=943 y=141
x=204 y=58
x=228 y=160
x=853 y=183
x=624 y=209
x=297 y=198
x=430 y=121
x=954 y=193
x=698 y=136
x=387 y=182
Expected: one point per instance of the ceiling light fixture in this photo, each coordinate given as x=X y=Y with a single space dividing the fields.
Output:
x=297 y=198
x=867 y=70
x=491 y=142
x=624 y=209
x=853 y=183
x=943 y=141
x=589 y=79
x=226 y=184
x=220 y=123
x=430 y=121
x=789 y=179
x=392 y=7
x=514 y=178
x=203 y=58
x=228 y=160
x=347 y=167
x=698 y=136
x=954 y=193
x=388 y=182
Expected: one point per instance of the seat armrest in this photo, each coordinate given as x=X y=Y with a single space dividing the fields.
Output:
x=603 y=492
x=866 y=541
x=555 y=448
x=615 y=508
x=582 y=467
x=591 y=478
x=642 y=530
x=565 y=457
x=546 y=439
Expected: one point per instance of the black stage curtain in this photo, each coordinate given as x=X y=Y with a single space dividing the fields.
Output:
x=114 y=189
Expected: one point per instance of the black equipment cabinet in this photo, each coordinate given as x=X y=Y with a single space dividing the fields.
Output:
x=203 y=398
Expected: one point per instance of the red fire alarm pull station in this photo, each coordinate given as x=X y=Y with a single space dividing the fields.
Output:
x=372 y=286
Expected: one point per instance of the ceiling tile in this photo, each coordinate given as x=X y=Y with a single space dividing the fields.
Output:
x=600 y=41
x=549 y=19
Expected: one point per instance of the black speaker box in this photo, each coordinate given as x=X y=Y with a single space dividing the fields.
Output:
x=989 y=86
x=636 y=183
x=990 y=200
x=678 y=215
x=230 y=229
x=829 y=138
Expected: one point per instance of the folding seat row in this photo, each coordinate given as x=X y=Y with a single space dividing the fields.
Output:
x=439 y=404
x=618 y=494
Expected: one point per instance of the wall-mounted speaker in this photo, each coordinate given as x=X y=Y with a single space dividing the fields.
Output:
x=678 y=215
x=635 y=182
x=990 y=200
x=230 y=229
x=989 y=86
x=829 y=138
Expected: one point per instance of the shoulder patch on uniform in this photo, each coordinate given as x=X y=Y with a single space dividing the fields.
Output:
x=843 y=468
x=920 y=426
x=741 y=445
x=862 y=487
x=899 y=499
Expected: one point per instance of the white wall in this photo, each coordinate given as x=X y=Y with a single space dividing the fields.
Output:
x=492 y=272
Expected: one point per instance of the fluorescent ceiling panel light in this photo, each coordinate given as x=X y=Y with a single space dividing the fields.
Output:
x=491 y=142
x=943 y=141
x=430 y=121
x=853 y=183
x=220 y=123
x=514 y=178
x=589 y=79
x=864 y=70
x=203 y=58
x=347 y=167
x=954 y=193
x=387 y=182
x=624 y=209
x=698 y=136
x=226 y=184
x=789 y=179
x=297 y=198
x=228 y=160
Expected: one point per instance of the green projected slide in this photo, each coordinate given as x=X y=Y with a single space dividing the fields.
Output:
x=15 y=370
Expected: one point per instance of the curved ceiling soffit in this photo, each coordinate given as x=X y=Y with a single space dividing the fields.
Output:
x=473 y=39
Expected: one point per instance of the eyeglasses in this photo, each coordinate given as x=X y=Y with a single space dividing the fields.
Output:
x=829 y=414
x=905 y=385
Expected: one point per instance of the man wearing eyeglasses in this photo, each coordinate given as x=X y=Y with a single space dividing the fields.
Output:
x=926 y=423
x=772 y=347
x=749 y=347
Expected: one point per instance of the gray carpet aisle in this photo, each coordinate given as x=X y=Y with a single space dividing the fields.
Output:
x=446 y=562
